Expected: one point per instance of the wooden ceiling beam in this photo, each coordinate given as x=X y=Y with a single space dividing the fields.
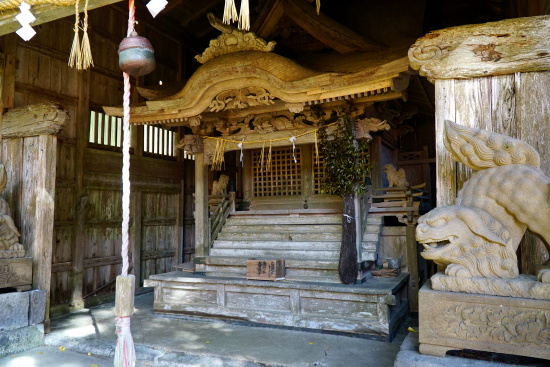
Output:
x=45 y=14
x=331 y=33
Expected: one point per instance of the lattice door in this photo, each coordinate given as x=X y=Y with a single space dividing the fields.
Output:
x=284 y=177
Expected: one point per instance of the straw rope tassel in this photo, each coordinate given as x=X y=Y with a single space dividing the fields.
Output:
x=318 y=6
x=268 y=165
x=125 y=354
x=86 y=51
x=75 y=57
x=230 y=12
x=244 y=16
x=262 y=157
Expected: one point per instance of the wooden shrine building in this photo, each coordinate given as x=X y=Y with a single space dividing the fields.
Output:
x=225 y=165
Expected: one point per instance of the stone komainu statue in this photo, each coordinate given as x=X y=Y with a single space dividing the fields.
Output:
x=479 y=235
x=9 y=235
x=395 y=178
x=219 y=186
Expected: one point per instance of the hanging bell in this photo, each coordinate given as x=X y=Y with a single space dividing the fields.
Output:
x=136 y=55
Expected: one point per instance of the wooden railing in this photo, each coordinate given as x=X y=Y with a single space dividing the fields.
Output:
x=224 y=205
x=402 y=202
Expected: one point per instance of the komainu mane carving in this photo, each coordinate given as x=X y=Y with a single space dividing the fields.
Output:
x=232 y=40
x=241 y=98
x=479 y=235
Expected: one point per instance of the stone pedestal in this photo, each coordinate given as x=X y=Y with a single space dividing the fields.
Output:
x=15 y=272
x=21 y=318
x=456 y=320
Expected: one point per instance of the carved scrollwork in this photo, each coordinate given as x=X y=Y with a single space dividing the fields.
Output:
x=505 y=324
x=421 y=55
x=241 y=98
x=191 y=143
x=232 y=42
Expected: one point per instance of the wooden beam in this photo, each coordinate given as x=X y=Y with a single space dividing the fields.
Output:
x=331 y=33
x=39 y=119
x=45 y=14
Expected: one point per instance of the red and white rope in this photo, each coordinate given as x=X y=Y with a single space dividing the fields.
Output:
x=126 y=154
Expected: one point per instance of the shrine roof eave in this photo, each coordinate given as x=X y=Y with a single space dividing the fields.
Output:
x=281 y=79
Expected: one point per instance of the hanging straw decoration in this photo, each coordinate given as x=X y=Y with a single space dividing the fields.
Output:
x=219 y=158
x=86 y=51
x=318 y=6
x=230 y=12
x=244 y=16
x=125 y=354
x=75 y=57
x=268 y=165
x=262 y=157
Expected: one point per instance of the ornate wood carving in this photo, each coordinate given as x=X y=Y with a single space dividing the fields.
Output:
x=191 y=143
x=241 y=98
x=504 y=47
x=39 y=119
x=365 y=126
x=232 y=40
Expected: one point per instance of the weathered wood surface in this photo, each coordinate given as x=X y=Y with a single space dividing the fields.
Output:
x=326 y=30
x=515 y=105
x=41 y=119
x=37 y=206
x=202 y=233
x=15 y=272
x=44 y=14
x=497 y=48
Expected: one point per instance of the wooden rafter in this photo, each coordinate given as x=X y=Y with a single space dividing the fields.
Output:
x=44 y=14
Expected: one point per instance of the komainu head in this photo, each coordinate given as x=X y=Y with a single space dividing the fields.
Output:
x=468 y=242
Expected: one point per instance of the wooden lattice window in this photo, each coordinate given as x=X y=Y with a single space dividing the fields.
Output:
x=159 y=141
x=105 y=130
x=284 y=177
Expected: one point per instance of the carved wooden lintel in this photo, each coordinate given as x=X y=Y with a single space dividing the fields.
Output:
x=241 y=98
x=497 y=48
x=39 y=119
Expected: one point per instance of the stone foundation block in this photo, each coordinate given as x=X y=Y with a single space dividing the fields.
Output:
x=19 y=340
x=14 y=310
x=37 y=306
x=509 y=325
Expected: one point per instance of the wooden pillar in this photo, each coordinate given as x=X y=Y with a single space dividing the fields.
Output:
x=503 y=89
x=79 y=229
x=202 y=235
x=247 y=179
x=412 y=264
x=37 y=205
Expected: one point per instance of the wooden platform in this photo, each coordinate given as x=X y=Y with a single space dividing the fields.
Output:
x=372 y=309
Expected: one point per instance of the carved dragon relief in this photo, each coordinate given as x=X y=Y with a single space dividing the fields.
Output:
x=479 y=235
x=241 y=98
x=232 y=40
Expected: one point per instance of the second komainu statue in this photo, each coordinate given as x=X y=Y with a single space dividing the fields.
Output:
x=479 y=235
x=9 y=235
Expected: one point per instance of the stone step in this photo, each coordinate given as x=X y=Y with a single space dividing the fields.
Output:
x=289 y=262
x=371 y=236
x=374 y=308
x=284 y=236
x=250 y=253
x=271 y=220
x=277 y=245
x=372 y=228
x=374 y=220
x=300 y=228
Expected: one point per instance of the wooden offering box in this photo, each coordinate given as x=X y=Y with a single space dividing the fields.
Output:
x=265 y=269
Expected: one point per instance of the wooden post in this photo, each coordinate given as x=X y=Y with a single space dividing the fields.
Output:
x=135 y=235
x=38 y=193
x=503 y=89
x=79 y=229
x=412 y=264
x=202 y=235
x=247 y=179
